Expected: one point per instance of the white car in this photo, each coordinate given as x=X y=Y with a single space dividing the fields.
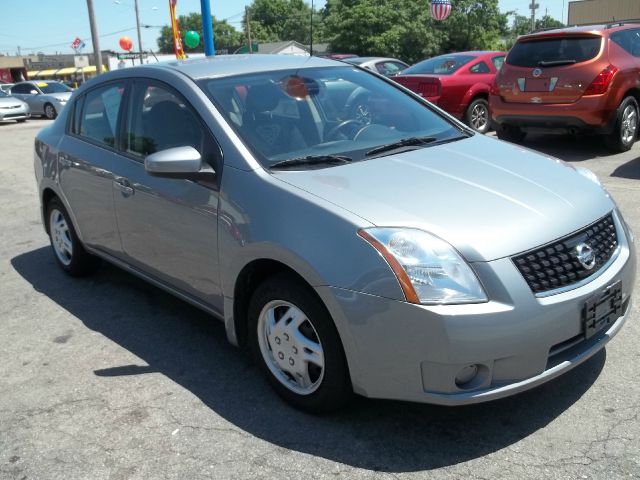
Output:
x=12 y=108
x=44 y=98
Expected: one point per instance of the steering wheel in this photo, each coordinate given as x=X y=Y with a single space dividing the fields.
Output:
x=331 y=134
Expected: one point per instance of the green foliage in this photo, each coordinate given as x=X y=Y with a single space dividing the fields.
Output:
x=277 y=20
x=405 y=29
x=225 y=35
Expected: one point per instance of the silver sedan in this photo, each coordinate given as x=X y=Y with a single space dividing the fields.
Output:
x=12 y=108
x=44 y=98
x=406 y=257
x=383 y=65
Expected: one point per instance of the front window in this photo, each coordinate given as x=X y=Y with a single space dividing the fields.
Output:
x=292 y=114
x=442 y=65
x=53 y=87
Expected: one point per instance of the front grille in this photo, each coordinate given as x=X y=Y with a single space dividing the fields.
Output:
x=556 y=264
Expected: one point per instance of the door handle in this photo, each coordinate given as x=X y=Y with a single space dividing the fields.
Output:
x=124 y=186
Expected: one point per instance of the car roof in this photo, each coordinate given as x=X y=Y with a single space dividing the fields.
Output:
x=600 y=29
x=227 y=65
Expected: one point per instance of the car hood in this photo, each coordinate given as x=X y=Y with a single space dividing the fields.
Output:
x=11 y=102
x=488 y=198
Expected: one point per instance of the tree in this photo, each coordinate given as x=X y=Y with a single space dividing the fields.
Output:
x=279 y=20
x=396 y=28
x=225 y=35
x=548 y=22
x=474 y=25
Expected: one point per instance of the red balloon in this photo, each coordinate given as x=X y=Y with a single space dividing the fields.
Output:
x=126 y=43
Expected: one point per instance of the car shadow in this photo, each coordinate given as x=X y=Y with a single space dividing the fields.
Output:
x=569 y=148
x=630 y=170
x=190 y=348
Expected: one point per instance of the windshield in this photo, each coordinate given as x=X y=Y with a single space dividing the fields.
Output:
x=549 y=51
x=442 y=65
x=343 y=111
x=53 y=87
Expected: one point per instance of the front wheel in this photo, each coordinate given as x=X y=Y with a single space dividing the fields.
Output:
x=626 y=126
x=477 y=115
x=67 y=248
x=297 y=346
x=50 y=111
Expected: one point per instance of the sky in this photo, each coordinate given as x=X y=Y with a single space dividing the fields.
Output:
x=51 y=25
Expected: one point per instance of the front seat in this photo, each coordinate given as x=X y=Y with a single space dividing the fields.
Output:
x=272 y=134
x=169 y=125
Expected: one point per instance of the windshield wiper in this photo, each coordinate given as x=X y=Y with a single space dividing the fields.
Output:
x=405 y=142
x=311 y=160
x=553 y=63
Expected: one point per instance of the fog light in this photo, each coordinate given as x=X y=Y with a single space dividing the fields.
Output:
x=466 y=374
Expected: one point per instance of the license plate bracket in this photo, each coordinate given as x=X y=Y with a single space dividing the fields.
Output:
x=602 y=309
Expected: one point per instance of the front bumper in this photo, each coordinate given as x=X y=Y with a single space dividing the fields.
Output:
x=18 y=113
x=402 y=351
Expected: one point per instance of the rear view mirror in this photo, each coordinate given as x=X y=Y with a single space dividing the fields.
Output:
x=178 y=162
x=33 y=92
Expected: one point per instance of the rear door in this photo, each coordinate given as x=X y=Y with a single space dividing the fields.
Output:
x=551 y=69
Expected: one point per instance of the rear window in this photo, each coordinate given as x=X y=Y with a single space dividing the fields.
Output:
x=442 y=65
x=554 y=51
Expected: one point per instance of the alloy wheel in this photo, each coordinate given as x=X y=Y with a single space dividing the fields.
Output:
x=60 y=237
x=629 y=124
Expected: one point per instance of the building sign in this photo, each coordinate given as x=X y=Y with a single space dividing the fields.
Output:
x=78 y=44
x=131 y=55
x=81 y=61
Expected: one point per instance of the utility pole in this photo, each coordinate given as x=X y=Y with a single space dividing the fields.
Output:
x=97 y=55
x=311 y=42
x=533 y=6
x=138 y=27
x=246 y=14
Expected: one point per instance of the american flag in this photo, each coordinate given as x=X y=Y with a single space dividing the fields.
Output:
x=440 y=9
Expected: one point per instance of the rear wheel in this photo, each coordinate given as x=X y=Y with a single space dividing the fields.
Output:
x=625 y=130
x=510 y=134
x=296 y=344
x=50 y=111
x=477 y=115
x=68 y=251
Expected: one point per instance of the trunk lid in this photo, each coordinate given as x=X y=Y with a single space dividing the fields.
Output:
x=426 y=86
x=551 y=68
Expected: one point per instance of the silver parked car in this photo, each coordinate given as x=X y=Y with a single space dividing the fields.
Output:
x=385 y=66
x=44 y=97
x=404 y=258
x=12 y=108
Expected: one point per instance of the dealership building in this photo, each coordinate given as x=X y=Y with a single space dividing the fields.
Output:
x=584 y=12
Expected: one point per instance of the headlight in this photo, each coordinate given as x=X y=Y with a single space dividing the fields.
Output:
x=429 y=270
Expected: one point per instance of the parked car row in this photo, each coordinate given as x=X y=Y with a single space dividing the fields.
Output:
x=23 y=99
x=568 y=81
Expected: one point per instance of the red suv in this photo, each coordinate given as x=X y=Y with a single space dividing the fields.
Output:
x=580 y=79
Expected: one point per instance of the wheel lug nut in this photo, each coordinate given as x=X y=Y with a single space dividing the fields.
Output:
x=291 y=362
x=278 y=340
x=281 y=355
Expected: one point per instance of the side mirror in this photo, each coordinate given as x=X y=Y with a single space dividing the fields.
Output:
x=33 y=92
x=178 y=162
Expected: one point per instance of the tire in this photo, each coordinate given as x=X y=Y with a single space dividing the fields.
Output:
x=50 y=111
x=625 y=130
x=68 y=251
x=292 y=336
x=478 y=116
x=510 y=134
x=22 y=120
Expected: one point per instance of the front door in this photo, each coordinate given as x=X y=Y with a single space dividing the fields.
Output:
x=168 y=227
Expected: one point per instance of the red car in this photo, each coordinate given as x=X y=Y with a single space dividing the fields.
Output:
x=458 y=83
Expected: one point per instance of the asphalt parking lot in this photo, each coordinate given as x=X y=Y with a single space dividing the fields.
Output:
x=110 y=378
